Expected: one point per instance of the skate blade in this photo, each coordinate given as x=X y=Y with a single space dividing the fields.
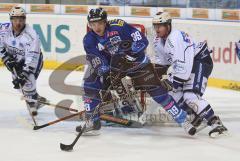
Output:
x=217 y=135
x=91 y=133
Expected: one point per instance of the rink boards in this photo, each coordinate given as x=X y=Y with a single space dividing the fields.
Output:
x=61 y=38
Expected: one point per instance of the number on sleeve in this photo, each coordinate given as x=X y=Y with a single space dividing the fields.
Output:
x=136 y=36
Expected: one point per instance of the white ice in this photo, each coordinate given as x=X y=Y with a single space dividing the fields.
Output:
x=18 y=142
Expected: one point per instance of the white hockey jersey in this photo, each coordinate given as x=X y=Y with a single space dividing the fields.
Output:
x=25 y=46
x=177 y=51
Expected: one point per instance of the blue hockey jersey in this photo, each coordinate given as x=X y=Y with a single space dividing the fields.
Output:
x=100 y=49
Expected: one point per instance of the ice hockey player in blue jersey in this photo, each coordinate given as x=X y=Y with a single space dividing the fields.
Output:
x=20 y=51
x=115 y=49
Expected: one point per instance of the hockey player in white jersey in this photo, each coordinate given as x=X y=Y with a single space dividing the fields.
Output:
x=190 y=66
x=20 y=52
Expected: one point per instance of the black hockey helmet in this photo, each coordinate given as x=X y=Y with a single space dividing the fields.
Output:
x=97 y=14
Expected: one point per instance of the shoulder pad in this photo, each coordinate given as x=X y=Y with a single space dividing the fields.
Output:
x=4 y=26
x=31 y=32
x=89 y=38
x=116 y=22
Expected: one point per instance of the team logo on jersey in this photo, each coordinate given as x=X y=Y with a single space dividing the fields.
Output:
x=14 y=50
x=14 y=42
x=112 y=33
x=100 y=47
x=111 y=46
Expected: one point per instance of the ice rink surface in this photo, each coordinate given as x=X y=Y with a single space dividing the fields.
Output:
x=18 y=142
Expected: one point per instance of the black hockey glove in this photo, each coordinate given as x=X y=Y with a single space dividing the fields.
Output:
x=173 y=85
x=21 y=79
x=9 y=62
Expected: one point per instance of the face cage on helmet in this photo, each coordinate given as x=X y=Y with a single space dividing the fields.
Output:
x=11 y=17
x=164 y=24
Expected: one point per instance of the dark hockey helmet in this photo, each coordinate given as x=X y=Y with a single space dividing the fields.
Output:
x=97 y=14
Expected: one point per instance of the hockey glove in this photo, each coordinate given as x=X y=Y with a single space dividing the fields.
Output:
x=167 y=84
x=22 y=78
x=9 y=62
x=174 y=82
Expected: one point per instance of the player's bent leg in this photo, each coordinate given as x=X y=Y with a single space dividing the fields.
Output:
x=195 y=88
x=148 y=80
x=93 y=124
x=170 y=105
x=204 y=112
x=29 y=91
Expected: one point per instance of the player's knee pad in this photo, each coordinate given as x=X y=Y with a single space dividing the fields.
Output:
x=178 y=97
x=195 y=102
x=29 y=88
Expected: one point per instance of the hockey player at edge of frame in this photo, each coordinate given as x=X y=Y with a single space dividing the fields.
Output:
x=106 y=56
x=20 y=51
x=191 y=65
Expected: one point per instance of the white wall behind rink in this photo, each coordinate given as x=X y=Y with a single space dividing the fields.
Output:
x=221 y=37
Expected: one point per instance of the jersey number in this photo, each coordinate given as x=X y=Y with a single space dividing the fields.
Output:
x=174 y=111
x=136 y=36
x=95 y=62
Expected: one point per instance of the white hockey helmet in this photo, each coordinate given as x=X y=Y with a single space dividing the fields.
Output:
x=17 y=12
x=162 y=18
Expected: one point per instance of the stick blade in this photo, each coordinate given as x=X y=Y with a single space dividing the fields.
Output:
x=36 y=127
x=135 y=124
x=64 y=147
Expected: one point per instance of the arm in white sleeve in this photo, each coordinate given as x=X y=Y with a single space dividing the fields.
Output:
x=183 y=55
x=2 y=49
x=32 y=53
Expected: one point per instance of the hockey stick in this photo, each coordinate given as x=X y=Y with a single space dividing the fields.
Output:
x=50 y=104
x=130 y=95
x=58 y=120
x=34 y=121
x=105 y=117
x=69 y=147
x=121 y=121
